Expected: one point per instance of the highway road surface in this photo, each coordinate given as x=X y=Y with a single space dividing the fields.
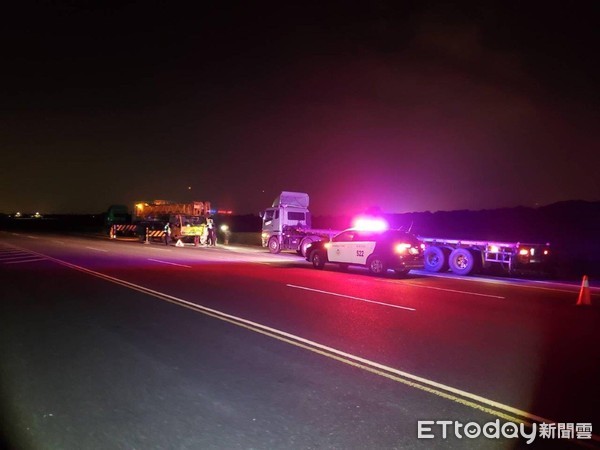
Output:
x=110 y=344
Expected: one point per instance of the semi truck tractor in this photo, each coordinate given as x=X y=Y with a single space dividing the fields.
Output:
x=286 y=225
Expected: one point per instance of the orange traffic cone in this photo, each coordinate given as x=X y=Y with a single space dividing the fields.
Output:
x=584 y=293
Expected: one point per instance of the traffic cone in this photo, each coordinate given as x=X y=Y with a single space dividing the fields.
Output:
x=179 y=243
x=584 y=294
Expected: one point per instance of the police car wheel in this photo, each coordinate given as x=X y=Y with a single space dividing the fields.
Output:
x=376 y=265
x=318 y=259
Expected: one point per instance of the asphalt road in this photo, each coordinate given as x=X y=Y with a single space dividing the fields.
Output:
x=111 y=344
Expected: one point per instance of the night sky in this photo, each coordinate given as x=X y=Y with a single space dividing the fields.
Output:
x=408 y=106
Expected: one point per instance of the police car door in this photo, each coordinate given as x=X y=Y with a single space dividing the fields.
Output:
x=363 y=246
x=341 y=247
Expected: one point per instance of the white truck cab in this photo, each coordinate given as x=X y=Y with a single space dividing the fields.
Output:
x=286 y=225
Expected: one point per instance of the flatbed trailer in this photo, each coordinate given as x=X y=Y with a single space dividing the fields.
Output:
x=466 y=257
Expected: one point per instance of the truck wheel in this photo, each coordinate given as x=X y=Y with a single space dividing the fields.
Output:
x=318 y=259
x=304 y=245
x=462 y=261
x=436 y=259
x=274 y=246
x=376 y=265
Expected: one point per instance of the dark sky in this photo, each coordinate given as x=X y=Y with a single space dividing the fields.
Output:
x=409 y=106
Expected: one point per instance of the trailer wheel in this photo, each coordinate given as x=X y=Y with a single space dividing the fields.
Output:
x=274 y=246
x=462 y=261
x=376 y=265
x=318 y=259
x=436 y=259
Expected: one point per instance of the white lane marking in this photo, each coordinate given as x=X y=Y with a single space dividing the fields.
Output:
x=350 y=297
x=24 y=261
x=167 y=262
x=58 y=242
x=453 y=290
x=97 y=249
x=16 y=257
x=33 y=237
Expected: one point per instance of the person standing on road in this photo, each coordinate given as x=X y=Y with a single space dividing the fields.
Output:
x=167 y=231
x=212 y=232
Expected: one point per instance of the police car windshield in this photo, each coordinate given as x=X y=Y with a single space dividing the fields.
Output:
x=345 y=236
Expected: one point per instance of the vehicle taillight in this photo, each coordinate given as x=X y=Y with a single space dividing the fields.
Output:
x=402 y=248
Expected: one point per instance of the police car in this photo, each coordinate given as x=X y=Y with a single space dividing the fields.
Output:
x=378 y=250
